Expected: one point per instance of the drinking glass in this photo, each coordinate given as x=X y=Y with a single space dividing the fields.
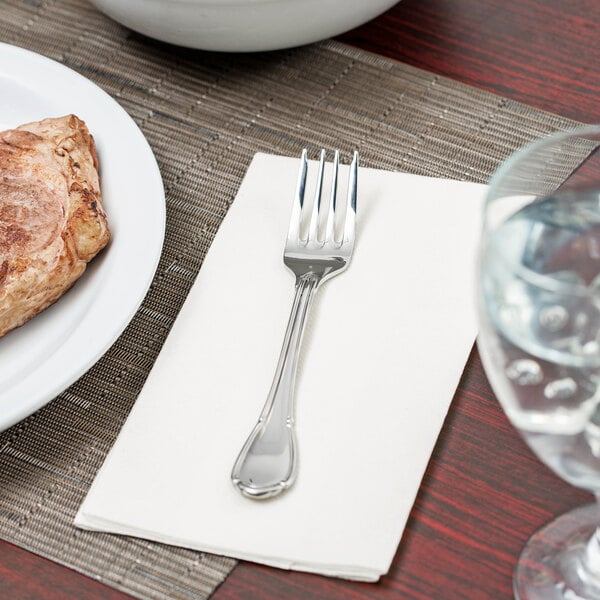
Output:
x=539 y=341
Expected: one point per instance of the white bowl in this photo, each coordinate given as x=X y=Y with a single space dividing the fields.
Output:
x=242 y=25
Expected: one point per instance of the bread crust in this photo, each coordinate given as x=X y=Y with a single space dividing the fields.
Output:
x=52 y=222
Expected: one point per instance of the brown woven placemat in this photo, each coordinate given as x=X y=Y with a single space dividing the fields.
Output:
x=205 y=115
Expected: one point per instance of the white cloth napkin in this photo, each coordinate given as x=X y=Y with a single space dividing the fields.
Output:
x=385 y=347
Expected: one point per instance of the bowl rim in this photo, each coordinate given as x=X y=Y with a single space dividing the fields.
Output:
x=375 y=4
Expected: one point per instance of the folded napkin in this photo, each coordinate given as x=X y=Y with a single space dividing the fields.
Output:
x=385 y=346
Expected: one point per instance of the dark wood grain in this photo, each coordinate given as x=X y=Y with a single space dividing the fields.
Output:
x=541 y=52
x=484 y=493
x=26 y=576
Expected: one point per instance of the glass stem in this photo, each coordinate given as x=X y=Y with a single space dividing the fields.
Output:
x=591 y=556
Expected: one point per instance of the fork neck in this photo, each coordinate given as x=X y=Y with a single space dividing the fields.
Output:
x=308 y=281
x=306 y=285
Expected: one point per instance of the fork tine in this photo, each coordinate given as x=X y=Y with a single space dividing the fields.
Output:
x=349 y=225
x=314 y=218
x=294 y=228
x=329 y=231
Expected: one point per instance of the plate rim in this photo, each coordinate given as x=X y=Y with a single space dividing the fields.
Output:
x=21 y=400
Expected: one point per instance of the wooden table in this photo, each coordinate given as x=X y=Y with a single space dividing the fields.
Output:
x=484 y=493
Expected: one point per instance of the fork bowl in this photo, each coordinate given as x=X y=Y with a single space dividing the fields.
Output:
x=267 y=462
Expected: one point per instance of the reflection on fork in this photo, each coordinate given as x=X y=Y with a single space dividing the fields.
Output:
x=266 y=464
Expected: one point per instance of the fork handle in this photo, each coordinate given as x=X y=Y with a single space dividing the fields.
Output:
x=266 y=465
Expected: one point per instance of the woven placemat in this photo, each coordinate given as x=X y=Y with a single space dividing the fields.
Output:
x=205 y=115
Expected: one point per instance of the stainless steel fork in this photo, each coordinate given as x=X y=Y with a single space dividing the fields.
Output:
x=266 y=465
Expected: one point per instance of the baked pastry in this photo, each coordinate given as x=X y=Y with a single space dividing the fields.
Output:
x=51 y=217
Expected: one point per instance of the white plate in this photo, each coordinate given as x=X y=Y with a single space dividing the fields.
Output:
x=43 y=357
